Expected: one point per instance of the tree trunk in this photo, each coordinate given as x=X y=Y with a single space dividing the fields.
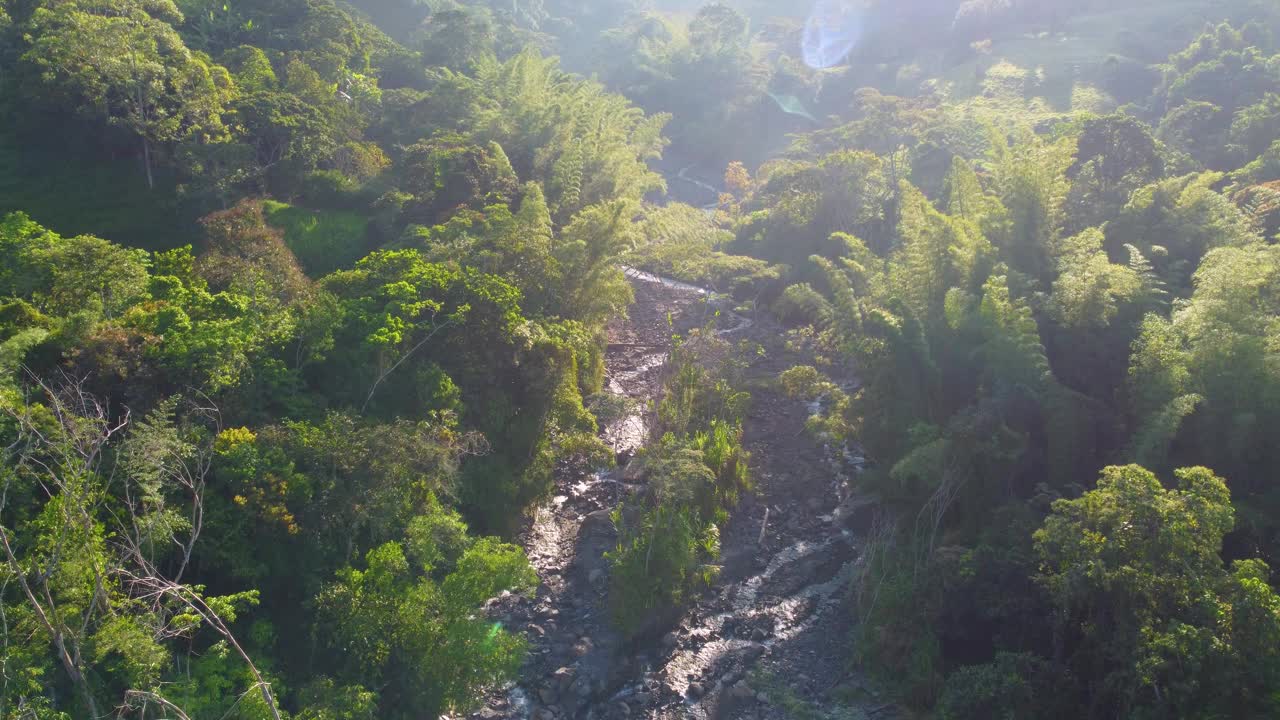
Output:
x=146 y=161
x=56 y=636
x=77 y=677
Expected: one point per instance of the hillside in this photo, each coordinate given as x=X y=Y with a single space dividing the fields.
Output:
x=560 y=360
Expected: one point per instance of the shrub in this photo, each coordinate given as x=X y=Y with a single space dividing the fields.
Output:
x=802 y=305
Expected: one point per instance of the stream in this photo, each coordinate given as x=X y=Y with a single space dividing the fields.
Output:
x=788 y=556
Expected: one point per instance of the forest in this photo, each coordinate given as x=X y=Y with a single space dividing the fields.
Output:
x=550 y=359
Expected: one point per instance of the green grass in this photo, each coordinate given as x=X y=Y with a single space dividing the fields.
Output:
x=73 y=194
x=322 y=240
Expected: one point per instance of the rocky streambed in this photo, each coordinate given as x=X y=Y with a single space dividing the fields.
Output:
x=774 y=631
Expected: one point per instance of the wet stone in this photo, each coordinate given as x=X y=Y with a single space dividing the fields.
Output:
x=564 y=677
x=695 y=691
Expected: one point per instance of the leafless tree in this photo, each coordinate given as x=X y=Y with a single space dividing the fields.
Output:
x=65 y=443
x=64 y=456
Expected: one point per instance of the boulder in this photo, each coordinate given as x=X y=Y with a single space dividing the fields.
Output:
x=564 y=677
x=582 y=688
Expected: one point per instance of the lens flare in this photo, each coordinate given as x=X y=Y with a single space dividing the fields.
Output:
x=792 y=105
x=832 y=31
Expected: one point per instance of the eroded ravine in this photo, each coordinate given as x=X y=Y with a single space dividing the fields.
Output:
x=789 y=555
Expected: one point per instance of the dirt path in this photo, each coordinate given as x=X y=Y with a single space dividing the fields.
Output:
x=771 y=638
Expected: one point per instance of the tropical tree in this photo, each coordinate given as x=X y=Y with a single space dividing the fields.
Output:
x=124 y=64
x=1145 y=607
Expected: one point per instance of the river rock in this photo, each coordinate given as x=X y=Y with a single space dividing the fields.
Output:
x=752 y=653
x=642 y=699
x=742 y=692
x=596 y=576
x=597 y=523
x=543 y=714
x=670 y=640
x=548 y=695
x=695 y=691
x=564 y=677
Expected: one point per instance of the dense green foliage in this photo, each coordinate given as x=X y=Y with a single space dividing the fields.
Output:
x=263 y=438
x=300 y=301
x=1032 y=297
x=695 y=472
